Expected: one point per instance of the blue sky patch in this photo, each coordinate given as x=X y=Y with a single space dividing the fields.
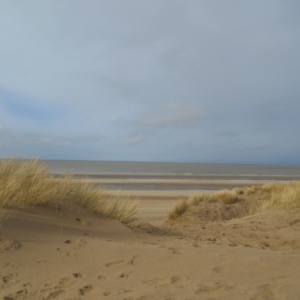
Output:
x=25 y=107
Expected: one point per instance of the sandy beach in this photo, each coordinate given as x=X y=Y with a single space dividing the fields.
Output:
x=74 y=254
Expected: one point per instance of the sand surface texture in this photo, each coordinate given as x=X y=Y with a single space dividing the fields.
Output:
x=219 y=254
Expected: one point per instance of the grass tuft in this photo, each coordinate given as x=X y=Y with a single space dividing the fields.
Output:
x=179 y=209
x=282 y=196
x=28 y=183
x=196 y=199
x=225 y=196
x=275 y=196
x=247 y=191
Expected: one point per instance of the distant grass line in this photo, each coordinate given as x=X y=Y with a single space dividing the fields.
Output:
x=28 y=183
x=269 y=196
x=275 y=196
x=285 y=196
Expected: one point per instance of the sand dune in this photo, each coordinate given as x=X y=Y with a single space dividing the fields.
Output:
x=73 y=254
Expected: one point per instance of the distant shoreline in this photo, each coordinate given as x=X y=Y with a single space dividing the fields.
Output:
x=147 y=170
x=181 y=177
x=175 y=182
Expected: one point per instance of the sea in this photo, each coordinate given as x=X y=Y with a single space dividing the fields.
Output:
x=171 y=171
x=134 y=169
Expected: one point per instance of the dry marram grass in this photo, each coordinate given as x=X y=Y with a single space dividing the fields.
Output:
x=247 y=191
x=282 y=196
x=25 y=183
x=179 y=209
x=269 y=196
x=275 y=196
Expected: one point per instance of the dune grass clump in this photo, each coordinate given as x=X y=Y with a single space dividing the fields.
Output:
x=28 y=183
x=268 y=196
x=272 y=188
x=281 y=196
x=224 y=196
x=179 y=209
x=247 y=191
x=196 y=199
x=273 y=195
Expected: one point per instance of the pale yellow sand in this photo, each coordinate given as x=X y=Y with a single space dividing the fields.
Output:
x=46 y=254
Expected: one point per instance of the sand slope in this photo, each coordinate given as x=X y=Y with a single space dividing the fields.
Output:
x=46 y=254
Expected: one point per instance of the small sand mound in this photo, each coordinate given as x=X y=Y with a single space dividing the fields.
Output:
x=224 y=224
x=218 y=211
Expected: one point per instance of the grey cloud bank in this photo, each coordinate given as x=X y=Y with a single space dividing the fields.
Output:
x=173 y=115
x=203 y=81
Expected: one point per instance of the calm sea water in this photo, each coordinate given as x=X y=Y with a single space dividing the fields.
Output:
x=172 y=170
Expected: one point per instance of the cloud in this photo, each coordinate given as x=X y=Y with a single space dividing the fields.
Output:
x=40 y=138
x=34 y=139
x=86 y=139
x=5 y=133
x=173 y=115
x=134 y=140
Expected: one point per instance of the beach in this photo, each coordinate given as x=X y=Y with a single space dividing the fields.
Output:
x=73 y=254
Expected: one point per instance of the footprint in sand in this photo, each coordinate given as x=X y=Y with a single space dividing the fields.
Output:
x=70 y=254
x=166 y=281
x=6 y=245
x=78 y=243
x=8 y=279
x=9 y=265
x=175 y=250
x=85 y=289
x=133 y=261
x=54 y=294
x=42 y=261
x=116 y=263
x=65 y=281
x=179 y=280
x=55 y=290
x=218 y=269
x=136 y=260
x=21 y=294
x=124 y=275
x=77 y=275
x=156 y=281
x=82 y=222
x=203 y=289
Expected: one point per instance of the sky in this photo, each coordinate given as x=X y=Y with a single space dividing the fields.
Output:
x=159 y=80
